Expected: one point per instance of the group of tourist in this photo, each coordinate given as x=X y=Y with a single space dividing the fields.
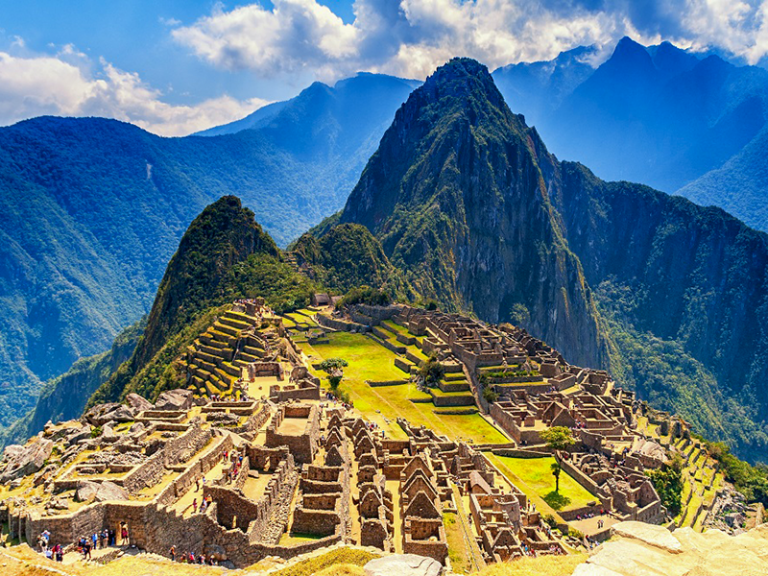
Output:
x=85 y=545
x=55 y=552
x=588 y=515
x=206 y=502
x=192 y=558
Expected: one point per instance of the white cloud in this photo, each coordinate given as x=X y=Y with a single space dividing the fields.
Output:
x=64 y=84
x=296 y=34
x=412 y=37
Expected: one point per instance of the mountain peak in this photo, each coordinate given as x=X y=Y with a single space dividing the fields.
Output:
x=459 y=74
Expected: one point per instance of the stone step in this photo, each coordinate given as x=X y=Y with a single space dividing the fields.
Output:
x=238 y=325
x=228 y=339
x=247 y=357
x=253 y=351
x=208 y=358
x=223 y=376
x=229 y=330
x=240 y=316
x=230 y=369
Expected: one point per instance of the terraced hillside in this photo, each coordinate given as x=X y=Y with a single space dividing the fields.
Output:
x=215 y=360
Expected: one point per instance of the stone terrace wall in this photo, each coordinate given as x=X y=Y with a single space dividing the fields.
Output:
x=177 y=450
x=235 y=511
x=184 y=481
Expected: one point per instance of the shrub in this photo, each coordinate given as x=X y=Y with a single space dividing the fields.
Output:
x=365 y=295
x=489 y=395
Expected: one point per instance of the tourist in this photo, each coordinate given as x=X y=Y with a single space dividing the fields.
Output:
x=112 y=537
x=172 y=553
x=86 y=549
x=104 y=538
x=124 y=534
x=59 y=553
x=197 y=485
x=95 y=538
x=194 y=506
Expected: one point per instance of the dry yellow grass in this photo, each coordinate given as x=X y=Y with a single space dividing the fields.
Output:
x=542 y=566
x=23 y=561
x=342 y=570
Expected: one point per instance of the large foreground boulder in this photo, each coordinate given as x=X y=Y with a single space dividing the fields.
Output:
x=99 y=491
x=175 y=400
x=110 y=491
x=138 y=403
x=24 y=460
x=86 y=490
x=403 y=565
x=638 y=549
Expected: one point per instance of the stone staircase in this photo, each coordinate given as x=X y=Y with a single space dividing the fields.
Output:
x=214 y=361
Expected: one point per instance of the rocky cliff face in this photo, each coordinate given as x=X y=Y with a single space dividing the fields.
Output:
x=456 y=194
x=686 y=274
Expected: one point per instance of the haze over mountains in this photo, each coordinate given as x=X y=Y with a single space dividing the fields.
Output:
x=658 y=115
x=91 y=210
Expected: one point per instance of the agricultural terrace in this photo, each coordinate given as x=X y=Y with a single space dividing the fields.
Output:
x=383 y=405
x=534 y=477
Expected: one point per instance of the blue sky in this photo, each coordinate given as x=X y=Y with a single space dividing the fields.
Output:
x=177 y=66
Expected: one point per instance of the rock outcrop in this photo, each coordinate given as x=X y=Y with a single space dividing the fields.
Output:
x=638 y=549
x=24 y=460
x=175 y=400
x=403 y=565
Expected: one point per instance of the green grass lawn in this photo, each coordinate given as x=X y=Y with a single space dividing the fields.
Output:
x=371 y=361
x=457 y=547
x=396 y=327
x=535 y=476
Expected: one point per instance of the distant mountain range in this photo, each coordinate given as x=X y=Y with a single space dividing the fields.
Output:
x=91 y=210
x=659 y=115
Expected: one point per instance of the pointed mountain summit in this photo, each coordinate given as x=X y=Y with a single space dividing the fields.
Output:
x=457 y=198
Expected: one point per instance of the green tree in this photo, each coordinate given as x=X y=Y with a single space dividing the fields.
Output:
x=489 y=395
x=558 y=438
x=668 y=482
x=556 y=469
x=334 y=380
x=332 y=364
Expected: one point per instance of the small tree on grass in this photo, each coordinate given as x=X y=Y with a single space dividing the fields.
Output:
x=556 y=469
x=332 y=364
x=558 y=438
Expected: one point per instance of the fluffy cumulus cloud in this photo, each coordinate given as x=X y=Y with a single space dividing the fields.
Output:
x=68 y=84
x=412 y=37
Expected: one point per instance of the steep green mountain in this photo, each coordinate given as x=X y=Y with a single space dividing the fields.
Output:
x=685 y=286
x=469 y=205
x=91 y=210
x=349 y=256
x=223 y=255
x=459 y=202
